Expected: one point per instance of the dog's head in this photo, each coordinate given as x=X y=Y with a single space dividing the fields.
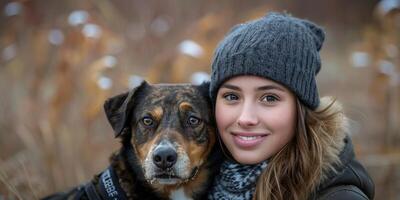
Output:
x=171 y=127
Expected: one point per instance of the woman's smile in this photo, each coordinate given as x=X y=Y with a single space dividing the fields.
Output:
x=248 y=139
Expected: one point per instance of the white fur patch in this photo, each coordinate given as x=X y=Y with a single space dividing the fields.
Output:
x=179 y=195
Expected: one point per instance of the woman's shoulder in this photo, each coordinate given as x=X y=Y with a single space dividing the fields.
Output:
x=342 y=192
x=349 y=180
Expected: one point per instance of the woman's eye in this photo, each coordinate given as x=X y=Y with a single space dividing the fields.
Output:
x=231 y=97
x=193 y=121
x=147 y=121
x=269 y=98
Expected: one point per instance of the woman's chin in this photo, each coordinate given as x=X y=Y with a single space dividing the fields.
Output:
x=248 y=158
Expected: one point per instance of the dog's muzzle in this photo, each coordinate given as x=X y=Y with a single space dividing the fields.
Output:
x=167 y=164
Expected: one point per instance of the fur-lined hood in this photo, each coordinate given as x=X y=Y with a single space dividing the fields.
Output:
x=340 y=168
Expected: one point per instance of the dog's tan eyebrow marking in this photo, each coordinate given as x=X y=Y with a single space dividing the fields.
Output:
x=185 y=106
x=157 y=113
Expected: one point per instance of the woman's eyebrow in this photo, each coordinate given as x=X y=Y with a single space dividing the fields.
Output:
x=232 y=87
x=270 y=87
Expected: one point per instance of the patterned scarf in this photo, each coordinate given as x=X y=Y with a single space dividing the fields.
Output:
x=236 y=181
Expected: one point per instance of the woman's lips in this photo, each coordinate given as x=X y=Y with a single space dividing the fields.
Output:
x=248 y=140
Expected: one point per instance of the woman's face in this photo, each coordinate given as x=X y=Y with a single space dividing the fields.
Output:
x=255 y=117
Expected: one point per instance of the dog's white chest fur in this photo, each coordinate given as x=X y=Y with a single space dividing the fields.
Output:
x=179 y=195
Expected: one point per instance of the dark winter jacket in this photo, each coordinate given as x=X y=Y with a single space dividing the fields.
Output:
x=350 y=181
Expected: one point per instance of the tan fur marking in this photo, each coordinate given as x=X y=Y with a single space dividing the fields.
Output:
x=196 y=153
x=185 y=106
x=157 y=113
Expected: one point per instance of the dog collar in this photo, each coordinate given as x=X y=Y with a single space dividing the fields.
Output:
x=109 y=186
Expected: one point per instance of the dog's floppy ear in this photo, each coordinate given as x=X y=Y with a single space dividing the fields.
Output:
x=118 y=108
x=204 y=88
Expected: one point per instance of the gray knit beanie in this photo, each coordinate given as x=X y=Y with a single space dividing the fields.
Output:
x=277 y=46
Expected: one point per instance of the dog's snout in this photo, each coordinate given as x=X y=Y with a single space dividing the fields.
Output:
x=164 y=157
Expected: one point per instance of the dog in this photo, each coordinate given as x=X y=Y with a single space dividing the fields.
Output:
x=168 y=151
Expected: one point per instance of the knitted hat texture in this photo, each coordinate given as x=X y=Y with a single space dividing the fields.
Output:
x=277 y=46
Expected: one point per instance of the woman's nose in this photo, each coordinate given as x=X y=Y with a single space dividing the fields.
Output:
x=248 y=116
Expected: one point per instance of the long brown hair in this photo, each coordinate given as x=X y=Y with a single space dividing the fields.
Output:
x=295 y=171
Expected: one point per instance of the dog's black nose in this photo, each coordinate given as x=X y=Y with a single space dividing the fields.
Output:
x=164 y=157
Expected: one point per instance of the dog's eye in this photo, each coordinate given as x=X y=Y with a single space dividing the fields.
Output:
x=193 y=121
x=147 y=121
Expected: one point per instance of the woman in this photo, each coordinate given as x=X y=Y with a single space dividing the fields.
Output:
x=281 y=140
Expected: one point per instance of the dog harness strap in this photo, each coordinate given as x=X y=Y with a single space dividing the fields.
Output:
x=91 y=191
x=109 y=186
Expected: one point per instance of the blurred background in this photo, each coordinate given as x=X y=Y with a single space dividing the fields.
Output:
x=59 y=61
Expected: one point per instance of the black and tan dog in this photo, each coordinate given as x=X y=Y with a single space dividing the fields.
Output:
x=168 y=150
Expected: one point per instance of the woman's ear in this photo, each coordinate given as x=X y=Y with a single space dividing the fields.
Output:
x=118 y=109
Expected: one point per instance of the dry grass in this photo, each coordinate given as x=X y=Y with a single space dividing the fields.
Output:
x=53 y=133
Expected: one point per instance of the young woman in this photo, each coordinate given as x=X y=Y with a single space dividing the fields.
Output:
x=281 y=140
